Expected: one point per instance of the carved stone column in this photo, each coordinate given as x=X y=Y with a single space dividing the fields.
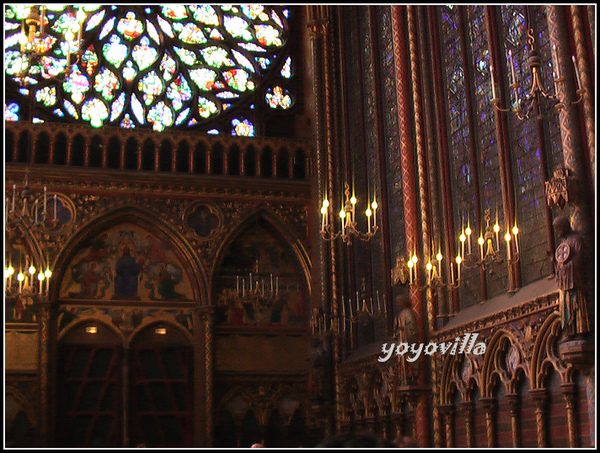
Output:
x=514 y=404
x=203 y=364
x=540 y=398
x=46 y=380
x=468 y=410
x=490 y=407
x=569 y=393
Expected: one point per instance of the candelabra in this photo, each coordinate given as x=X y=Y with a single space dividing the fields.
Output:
x=36 y=44
x=523 y=106
x=347 y=216
x=27 y=211
x=489 y=247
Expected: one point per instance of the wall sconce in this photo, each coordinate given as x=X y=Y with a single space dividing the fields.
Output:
x=91 y=329
x=523 y=106
x=490 y=253
x=347 y=216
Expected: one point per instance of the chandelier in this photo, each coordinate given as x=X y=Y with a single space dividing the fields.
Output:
x=27 y=211
x=486 y=254
x=46 y=51
x=524 y=105
x=347 y=215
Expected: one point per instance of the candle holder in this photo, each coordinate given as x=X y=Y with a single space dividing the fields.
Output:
x=524 y=106
x=490 y=253
x=347 y=217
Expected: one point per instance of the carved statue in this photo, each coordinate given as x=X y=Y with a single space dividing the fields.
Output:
x=406 y=322
x=568 y=260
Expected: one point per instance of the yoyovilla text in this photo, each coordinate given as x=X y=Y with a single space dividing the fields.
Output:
x=464 y=345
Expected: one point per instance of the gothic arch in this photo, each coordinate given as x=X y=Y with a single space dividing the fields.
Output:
x=544 y=355
x=146 y=221
x=283 y=233
x=492 y=367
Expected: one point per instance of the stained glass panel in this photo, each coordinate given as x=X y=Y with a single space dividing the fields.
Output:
x=228 y=51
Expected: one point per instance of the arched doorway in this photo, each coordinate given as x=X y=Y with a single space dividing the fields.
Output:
x=161 y=386
x=90 y=387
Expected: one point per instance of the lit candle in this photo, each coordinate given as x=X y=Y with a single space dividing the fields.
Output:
x=36 y=211
x=496 y=230
x=576 y=72
x=368 y=213
x=493 y=83
x=429 y=269
x=410 y=265
x=353 y=202
x=515 y=231
x=55 y=207
x=41 y=279
x=507 y=239
x=468 y=231
x=374 y=206
x=481 y=242
x=451 y=273
x=458 y=261
x=342 y=217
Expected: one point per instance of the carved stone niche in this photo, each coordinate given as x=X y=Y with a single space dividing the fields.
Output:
x=561 y=189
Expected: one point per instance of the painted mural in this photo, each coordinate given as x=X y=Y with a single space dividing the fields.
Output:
x=127 y=263
x=259 y=282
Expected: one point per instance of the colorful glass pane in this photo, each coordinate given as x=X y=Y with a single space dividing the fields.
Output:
x=242 y=128
x=94 y=111
x=11 y=112
x=127 y=68
x=277 y=97
x=160 y=116
x=46 y=96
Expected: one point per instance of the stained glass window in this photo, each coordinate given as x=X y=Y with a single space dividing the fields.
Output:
x=151 y=66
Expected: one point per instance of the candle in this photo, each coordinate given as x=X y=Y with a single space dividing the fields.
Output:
x=344 y=311
x=13 y=198
x=243 y=288
x=458 y=261
x=507 y=239
x=372 y=307
x=481 y=242
x=429 y=268
x=556 y=63
x=493 y=83
x=374 y=206
x=451 y=273
x=357 y=305
x=271 y=283
x=36 y=211
x=55 y=208
x=512 y=67
x=468 y=231
x=515 y=231
x=576 y=72
x=45 y=190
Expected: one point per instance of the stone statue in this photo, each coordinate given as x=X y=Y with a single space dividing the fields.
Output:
x=406 y=322
x=568 y=261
